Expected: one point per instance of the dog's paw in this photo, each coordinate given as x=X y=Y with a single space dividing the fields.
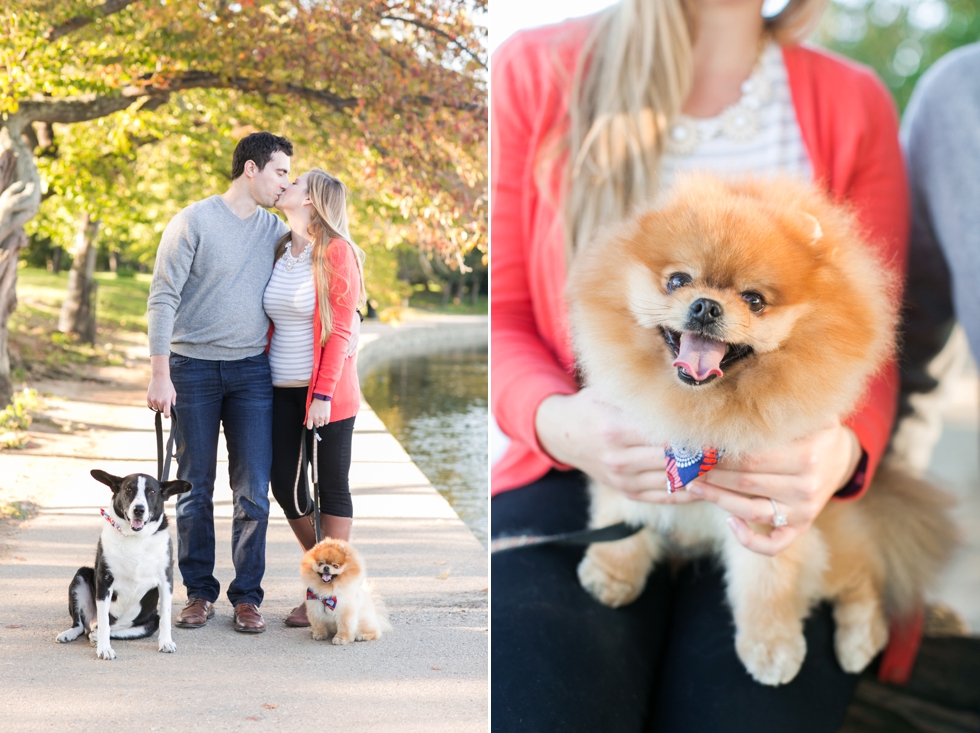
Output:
x=107 y=653
x=318 y=637
x=772 y=659
x=368 y=636
x=857 y=644
x=93 y=637
x=609 y=591
x=65 y=636
x=169 y=647
x=341 y=640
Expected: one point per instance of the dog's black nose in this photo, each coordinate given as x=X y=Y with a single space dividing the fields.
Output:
x=705 y=311
x=138 y=510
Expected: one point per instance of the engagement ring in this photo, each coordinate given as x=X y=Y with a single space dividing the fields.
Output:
x=778 y=518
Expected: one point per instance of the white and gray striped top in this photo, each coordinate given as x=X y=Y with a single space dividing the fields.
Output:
x=289 y=301
x=777 y=147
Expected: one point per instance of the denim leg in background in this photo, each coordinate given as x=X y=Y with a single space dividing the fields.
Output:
x=247 y=418
x=198 y=386
x=239 y=394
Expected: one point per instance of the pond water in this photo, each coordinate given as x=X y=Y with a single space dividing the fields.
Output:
x=436 y=406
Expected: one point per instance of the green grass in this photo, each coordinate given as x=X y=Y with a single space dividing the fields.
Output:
x=121 y=301
x=431 y=302
x=38 y=349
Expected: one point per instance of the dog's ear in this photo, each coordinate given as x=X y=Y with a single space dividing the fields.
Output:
x=172 y=488
x=108 y=479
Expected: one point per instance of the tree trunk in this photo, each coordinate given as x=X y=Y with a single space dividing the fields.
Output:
x=447 y=290
x=475 y=287
x=78 y=310
x=20 y=198
x=113 y=261
x=56 y=259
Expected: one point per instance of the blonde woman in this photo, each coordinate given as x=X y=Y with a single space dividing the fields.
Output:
x=591 y=119
x=312 y=299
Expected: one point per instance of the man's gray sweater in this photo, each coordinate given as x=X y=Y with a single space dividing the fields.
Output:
x=211 y=270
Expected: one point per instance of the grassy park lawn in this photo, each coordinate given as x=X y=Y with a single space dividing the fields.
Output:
x=38 y=349
x=430 y=301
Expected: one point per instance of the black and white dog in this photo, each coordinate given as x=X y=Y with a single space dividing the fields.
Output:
x=133 y=568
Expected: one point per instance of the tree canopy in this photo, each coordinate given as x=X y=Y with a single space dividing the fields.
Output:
x=136 y=108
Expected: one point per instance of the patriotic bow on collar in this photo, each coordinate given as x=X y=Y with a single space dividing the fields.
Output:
x=328 y=601
x=684 y=465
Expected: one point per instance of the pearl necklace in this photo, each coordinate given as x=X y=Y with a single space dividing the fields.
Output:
x=304 y=256
x=738 y=122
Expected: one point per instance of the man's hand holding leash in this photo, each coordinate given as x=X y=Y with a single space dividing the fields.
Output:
x=160 y=395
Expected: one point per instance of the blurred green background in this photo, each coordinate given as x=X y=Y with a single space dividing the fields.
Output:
x=900 y=39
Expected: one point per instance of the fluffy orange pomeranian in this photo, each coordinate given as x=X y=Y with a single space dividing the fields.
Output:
x=742 y=316
x=338 y=598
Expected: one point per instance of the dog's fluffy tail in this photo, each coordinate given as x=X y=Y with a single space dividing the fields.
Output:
x=380 y=609
x=914 y=535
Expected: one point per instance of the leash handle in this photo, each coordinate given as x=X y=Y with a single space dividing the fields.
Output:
x=612 y=533
x=316 y=491
x=163 y=462
x=300 y=468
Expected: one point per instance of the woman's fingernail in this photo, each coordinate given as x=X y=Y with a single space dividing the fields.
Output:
x=696 y=489
x=733 y=524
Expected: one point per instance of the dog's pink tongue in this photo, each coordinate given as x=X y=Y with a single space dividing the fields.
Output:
x=699 y=356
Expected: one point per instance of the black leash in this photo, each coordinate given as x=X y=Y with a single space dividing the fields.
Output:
x=163 y=464
x=583 y=537
x=300 y=468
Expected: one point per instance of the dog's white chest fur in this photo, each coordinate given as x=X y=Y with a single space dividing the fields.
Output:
x=137 y=563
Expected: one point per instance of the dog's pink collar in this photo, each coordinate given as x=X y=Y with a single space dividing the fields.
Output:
x=110 y=520
x=328 y=601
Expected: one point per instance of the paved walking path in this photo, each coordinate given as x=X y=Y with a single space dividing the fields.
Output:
x=428 y=674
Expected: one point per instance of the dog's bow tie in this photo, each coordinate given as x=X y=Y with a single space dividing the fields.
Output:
x=684 y=465
x=110 y=520
x=328 y=601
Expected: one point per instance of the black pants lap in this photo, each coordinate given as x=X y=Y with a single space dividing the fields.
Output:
x=333 y=457
x=561 y=661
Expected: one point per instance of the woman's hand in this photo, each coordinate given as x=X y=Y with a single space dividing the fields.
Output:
x=801 y=478
x=582 y=431
x=319 y=414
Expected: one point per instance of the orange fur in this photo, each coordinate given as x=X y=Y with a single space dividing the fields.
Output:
x=357 y=616
x=827 y=326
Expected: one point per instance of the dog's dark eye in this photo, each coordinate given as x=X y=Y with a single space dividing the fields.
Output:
x=677 y=280
x=755 y=301
x=336 y=566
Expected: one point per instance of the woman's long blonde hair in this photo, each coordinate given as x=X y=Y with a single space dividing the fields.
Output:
x=631 y=80
x=328 y=221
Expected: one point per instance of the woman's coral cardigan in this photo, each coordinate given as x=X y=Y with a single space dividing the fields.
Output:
x=334 y=375
x=850 y=129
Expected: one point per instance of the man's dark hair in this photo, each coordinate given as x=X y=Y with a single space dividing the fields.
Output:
x=258 y=147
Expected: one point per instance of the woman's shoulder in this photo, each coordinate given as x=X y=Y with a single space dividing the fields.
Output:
x=835 y=74
x=543 y=54
x=340 y=251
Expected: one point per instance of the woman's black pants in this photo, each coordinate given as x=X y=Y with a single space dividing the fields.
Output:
x=333 y=457
x=561 y=661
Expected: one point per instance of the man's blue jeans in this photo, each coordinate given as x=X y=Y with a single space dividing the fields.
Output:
x=237 y=395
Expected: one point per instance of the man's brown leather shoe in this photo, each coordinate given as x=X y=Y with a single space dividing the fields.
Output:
x=298 y=617
x=195 y=613
x=248 y=619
